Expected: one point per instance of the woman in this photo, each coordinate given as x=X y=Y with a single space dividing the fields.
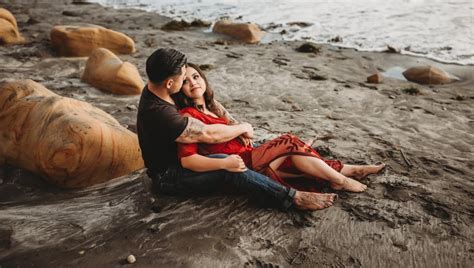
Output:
x=281 y=159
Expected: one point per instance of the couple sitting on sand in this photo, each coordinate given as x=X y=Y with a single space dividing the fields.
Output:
x=191 y=145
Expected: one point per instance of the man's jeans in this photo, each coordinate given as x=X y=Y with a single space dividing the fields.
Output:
x=178 y=180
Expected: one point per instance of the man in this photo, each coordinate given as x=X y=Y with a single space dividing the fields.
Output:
x=160 y=127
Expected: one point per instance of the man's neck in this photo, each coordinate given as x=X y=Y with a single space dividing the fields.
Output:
x=160 y=92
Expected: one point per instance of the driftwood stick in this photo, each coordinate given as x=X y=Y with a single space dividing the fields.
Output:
x=405 y=158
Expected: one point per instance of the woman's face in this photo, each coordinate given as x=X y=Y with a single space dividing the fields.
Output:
x=194 y=85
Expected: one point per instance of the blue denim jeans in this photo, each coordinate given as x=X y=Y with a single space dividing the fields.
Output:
x=178 y=180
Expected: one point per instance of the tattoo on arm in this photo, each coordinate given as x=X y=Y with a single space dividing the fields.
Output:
x=223 y=113
x=192 y=132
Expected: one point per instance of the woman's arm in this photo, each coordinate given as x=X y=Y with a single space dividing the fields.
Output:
x=223 y=113
x=199 y=163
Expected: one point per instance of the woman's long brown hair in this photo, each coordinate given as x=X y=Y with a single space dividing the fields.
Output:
x=183 y=101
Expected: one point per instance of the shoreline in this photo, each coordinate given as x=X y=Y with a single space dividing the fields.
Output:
x=416 y=214
x=280 y=36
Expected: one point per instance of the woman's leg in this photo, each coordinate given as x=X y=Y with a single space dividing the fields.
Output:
x=316 y=167
x=268 y=157
x=359 y=172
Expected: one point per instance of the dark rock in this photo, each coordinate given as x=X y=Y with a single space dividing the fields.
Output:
x=176 y=25
x=200 y=23
x=391 y=49
x=309 y=48
x=300 y=24
x=206 y=67
x=71 y=13
x=411 y=91
x=336 y=39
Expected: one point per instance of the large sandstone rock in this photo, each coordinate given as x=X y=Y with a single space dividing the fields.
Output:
x=9 y=33
x=105 y=71
x=245 y=32
x=69 y=142
x=7 y=15
x=80 y=41
x=427 y=75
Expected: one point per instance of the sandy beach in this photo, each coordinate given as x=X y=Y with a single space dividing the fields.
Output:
x=416 y=213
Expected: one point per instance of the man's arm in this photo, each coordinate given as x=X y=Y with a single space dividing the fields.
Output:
x=197 y=131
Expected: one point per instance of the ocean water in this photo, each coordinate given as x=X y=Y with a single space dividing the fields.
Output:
x=437 y=29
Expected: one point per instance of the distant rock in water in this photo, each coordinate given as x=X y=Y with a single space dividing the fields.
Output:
x=9 y=33
x=309 y=48
x=245 y=32
x=106 y=71
x=80 y=41
x=68 y=142
x=427 y=75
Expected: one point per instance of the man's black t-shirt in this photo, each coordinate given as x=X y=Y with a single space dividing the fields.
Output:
x=158 y=125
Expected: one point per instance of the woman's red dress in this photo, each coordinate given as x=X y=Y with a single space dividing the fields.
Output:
x=259 y=158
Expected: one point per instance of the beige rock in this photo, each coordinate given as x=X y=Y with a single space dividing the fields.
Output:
x=246 y=32
x=375 y=78
x=427 y=75
x=69 y=142
x=7 y=15
x=9 y=34
x=105 y=71
x=80 y=41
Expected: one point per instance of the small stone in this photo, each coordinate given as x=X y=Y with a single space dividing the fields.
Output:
x=82 y=252
x=392 y=97
x=131 y=259
x=374 y=79
x=132 y=107
x=443 y=108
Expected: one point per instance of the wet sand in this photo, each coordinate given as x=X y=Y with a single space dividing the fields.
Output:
x=417 y=213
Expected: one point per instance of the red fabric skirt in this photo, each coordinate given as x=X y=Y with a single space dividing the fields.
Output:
x=259 y=159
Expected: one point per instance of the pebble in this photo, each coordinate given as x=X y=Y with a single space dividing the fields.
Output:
x=131 y=259
x=82 y=252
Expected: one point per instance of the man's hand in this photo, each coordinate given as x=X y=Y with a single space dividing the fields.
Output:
x=248 y=130
x=234 y=163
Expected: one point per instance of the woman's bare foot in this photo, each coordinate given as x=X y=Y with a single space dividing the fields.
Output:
x=349 y=185
x=360 y=172
x=313 y=201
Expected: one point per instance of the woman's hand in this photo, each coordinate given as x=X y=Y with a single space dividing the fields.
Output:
x=247 y=142
x=234 y=163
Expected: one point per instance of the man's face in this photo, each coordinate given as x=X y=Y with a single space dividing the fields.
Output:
x=178 y=81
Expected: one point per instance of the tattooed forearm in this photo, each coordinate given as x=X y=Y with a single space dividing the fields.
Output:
x=223 y=113
x=192 y=132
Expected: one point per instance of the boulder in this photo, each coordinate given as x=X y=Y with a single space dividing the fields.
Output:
x=375 y=78
x=245 y=32
x=80 y=41
x=427 y=75
x=7 y=15
x=68 y=142
x=105 y=71
x=9 y=34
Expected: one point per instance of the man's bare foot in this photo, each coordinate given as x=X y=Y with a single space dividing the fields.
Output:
x=313 y=201
x=349 y=185
x=360 y=172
